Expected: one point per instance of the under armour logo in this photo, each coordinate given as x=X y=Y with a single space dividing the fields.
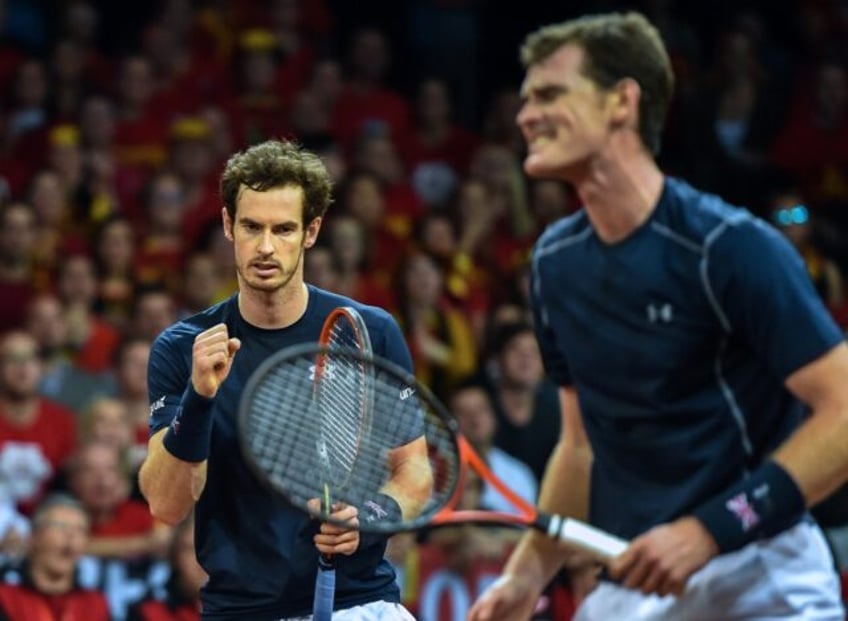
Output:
x=659 y=312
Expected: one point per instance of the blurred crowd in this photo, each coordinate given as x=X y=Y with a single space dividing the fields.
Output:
x=110 y=231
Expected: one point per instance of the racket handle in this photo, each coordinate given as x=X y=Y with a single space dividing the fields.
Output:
x=597 y=542
x=325 y=589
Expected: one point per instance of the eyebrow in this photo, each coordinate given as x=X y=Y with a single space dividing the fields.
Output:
x=545 y=90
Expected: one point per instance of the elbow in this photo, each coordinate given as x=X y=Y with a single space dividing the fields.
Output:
x=167 y=514
x=162 y=508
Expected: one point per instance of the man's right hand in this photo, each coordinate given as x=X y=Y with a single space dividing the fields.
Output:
x=510 y=598
x=211 y=359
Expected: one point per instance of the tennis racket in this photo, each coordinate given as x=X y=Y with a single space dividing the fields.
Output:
x=340 y=406
x=403 y=411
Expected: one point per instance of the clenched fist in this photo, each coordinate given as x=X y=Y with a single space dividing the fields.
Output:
x=211 y=359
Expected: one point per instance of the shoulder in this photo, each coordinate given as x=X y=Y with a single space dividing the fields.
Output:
x=565 y=232
x=691 y=216
x=375 y=318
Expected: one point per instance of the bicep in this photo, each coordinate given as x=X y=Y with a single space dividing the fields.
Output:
x=572 y=430
x=822 y=384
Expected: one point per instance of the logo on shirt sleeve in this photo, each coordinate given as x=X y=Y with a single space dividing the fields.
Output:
x=157 y=405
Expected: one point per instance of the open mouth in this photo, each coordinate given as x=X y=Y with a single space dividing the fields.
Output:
x=266 y=268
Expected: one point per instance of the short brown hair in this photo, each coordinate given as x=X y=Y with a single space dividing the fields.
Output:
x=617 y=46
x=276 y=164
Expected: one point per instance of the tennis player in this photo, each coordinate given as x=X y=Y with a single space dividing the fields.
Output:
x=703 y=384
x=260 y=552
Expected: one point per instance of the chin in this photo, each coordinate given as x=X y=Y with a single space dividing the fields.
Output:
x=539 y=169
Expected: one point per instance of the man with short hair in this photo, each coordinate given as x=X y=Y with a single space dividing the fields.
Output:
x=48 y=590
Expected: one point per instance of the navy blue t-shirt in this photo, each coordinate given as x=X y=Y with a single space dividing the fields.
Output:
x=678 y=340
x=258 y=549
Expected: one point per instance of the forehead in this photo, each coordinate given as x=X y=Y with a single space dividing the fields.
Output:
x=274 y=204
x=18 y=341
x=64 y=514
x=563 y=67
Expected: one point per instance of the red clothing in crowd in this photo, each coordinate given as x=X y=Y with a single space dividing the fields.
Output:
x=132 y=517
x=456 y=150
x=163 y=611
x=21 y=602
x=356 y=110
x=31 y=456
x=97 y=353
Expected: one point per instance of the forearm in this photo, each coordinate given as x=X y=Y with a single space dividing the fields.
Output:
x=816 y=455
x=170 y=486
x=411 y=482
x=564 y=491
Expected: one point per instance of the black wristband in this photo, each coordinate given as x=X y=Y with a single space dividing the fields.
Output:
x=762 y=505
x=378 y=509
x=190 y=432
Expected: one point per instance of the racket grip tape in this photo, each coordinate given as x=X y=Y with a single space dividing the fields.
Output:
x=325 y=590
x=588 y=538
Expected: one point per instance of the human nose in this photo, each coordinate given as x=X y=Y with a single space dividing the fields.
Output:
x=266 y=245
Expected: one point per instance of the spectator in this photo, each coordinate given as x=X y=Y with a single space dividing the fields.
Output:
x=121 y=527
x=471 y=404
x=17 y=276
x=46 y=588
x=439 y=336
x=436 y=151
x=182 y=599
x=376 y=153
x=794 y=219
x=107 y=420
x=61 y=380
x=160 y=253
x=367 y=104
x=37 y=435
x=130 y=372
x=354 y=275
x=465 y=281
x=140 y=133
x=192 y=157
x=201 y=286
x=361 y=196
x=813 y=145
x=154 y=310
x=525 y=401
x=731 y=120
x=92 y=340
x=114 y=247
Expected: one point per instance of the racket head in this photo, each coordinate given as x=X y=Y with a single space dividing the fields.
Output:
x=278 y=432
x=345 y=424
x=345 y=327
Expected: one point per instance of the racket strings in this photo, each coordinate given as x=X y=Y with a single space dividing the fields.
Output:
x=342 y=392
x=285 y=422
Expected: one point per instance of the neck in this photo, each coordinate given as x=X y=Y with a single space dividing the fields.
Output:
x=619 y=192
x=272 y=310
x=517 y=402
x=51 y=583
x=19 y=411
x=14 y=270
